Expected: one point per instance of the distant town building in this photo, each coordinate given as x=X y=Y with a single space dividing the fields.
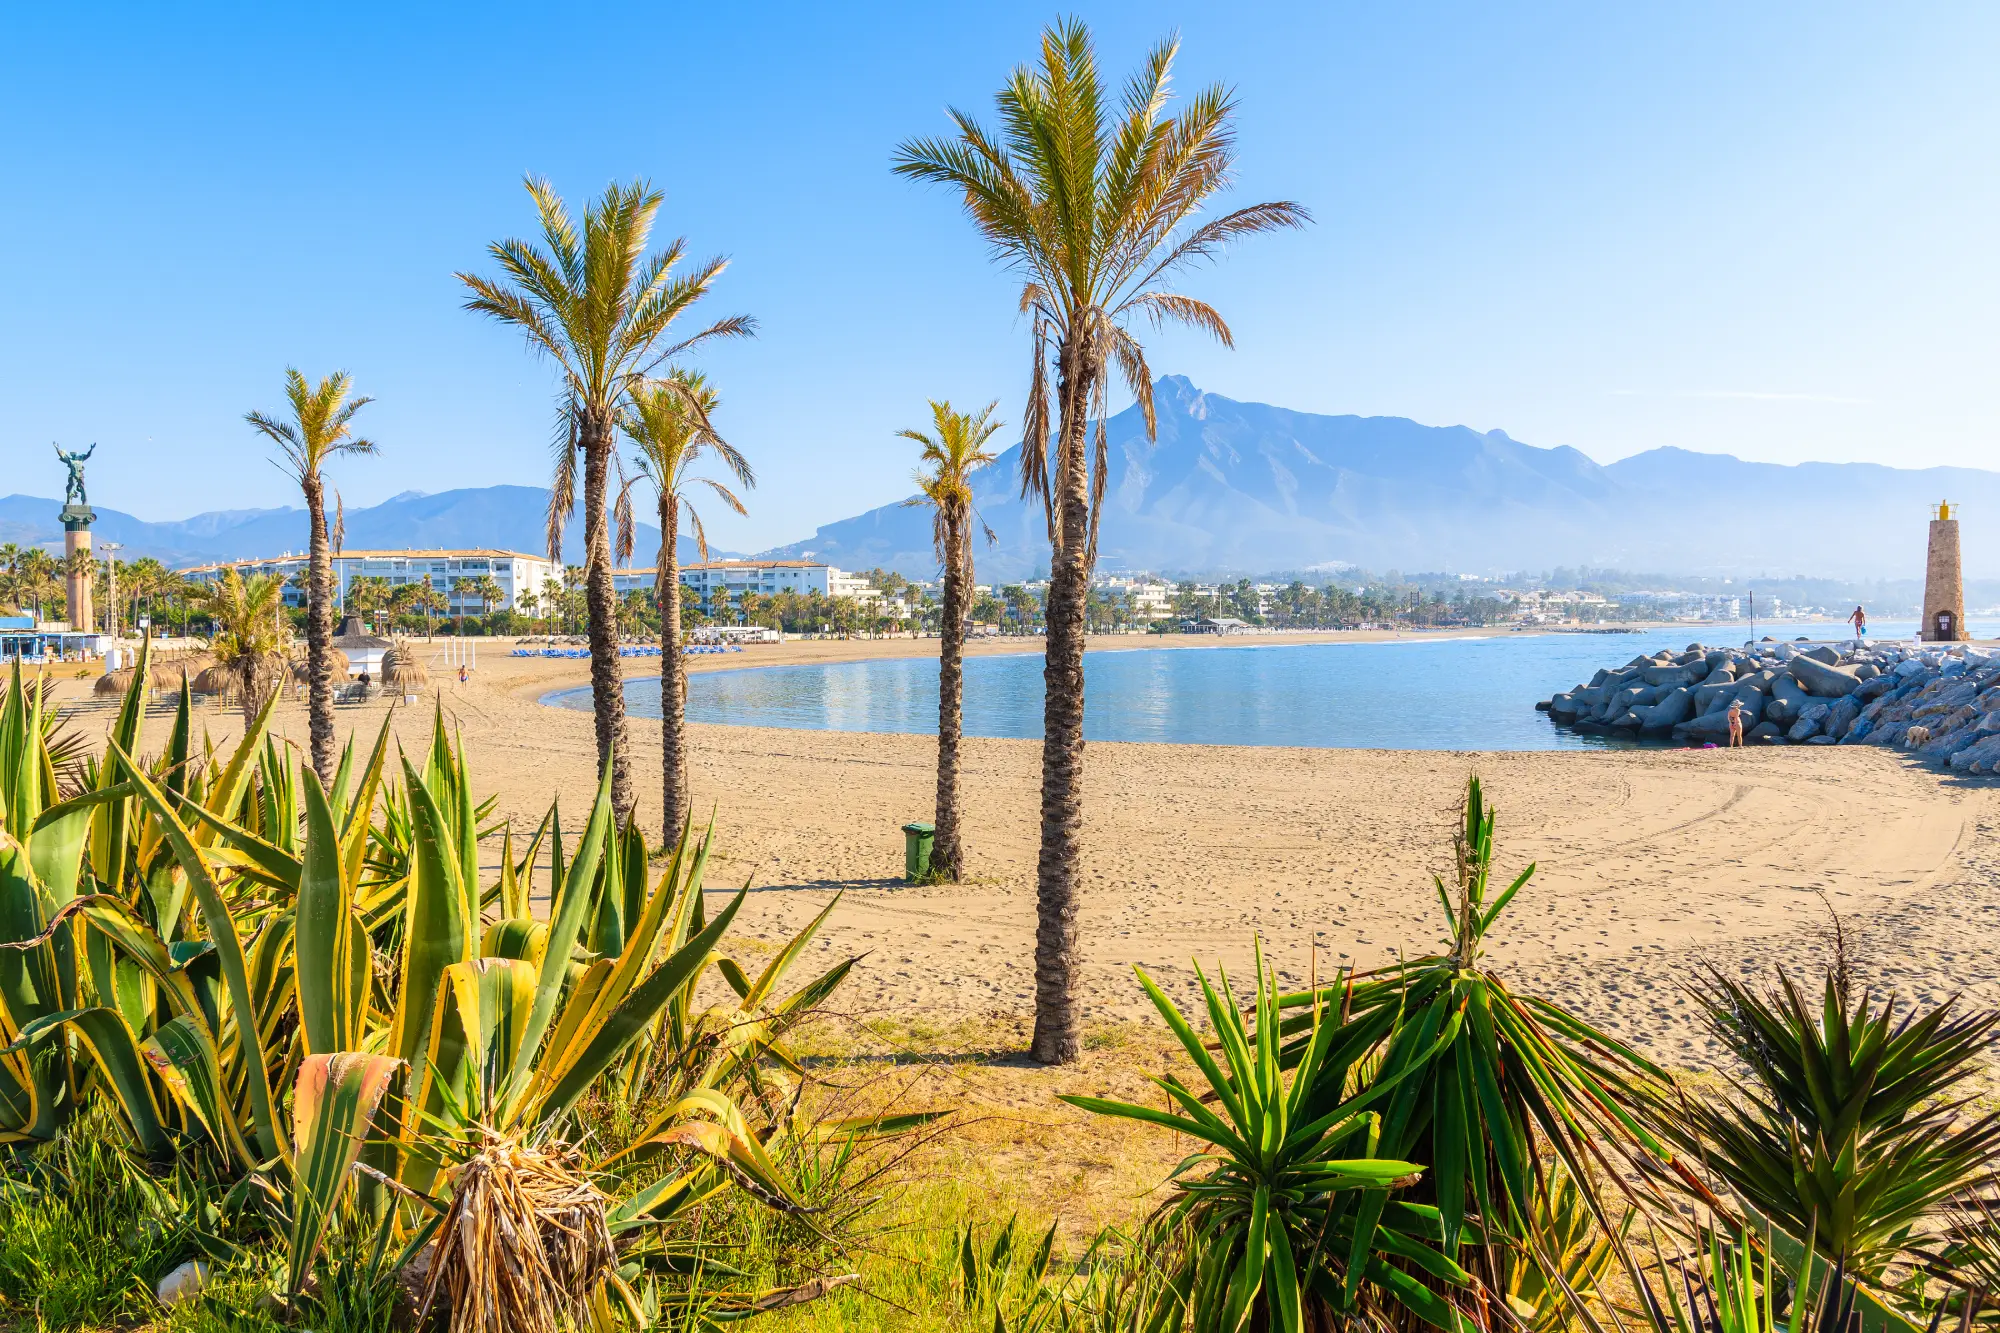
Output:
x=1150 y=598
x=730 y=579
x=513 y=572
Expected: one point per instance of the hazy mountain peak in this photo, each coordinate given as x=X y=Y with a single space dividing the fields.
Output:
x=1247 y=488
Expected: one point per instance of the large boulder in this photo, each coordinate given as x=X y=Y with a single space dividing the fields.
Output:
x=1876 y=688
x=1821 y=680
x=1810 y=719
x=1713 y=693
x=1669 y=676
x=1821 y=653
x=1841 y=716
x=1765 y=733
x=1787 y=698
x=1980 y=757
x=1668 y=712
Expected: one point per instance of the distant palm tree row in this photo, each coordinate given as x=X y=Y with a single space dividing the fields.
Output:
x=1094 y=203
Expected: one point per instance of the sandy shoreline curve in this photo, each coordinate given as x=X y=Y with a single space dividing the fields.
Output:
x=1649 y=862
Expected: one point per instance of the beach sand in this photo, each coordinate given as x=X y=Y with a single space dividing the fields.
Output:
x=1650 y=863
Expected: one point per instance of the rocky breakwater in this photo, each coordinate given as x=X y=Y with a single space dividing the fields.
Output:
x=1943 y=701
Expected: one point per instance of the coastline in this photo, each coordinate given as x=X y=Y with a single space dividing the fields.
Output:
x=1649 y=858
x=1651 y=863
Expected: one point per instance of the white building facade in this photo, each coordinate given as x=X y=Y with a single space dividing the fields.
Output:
x=449 y=572
x=728 y=580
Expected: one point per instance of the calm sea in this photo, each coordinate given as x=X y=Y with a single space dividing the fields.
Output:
x=1425 y=694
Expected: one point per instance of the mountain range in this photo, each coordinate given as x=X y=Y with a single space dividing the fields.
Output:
x=1235 y=488
x=1232 y=488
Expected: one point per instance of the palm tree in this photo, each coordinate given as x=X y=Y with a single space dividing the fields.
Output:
x=600 y=308
x=483 y=589
x=670 y=423
x=145 y=579
x=321 y=426
x=952 y=454
x=247 y=635
x=367 y=593
x=12 y=581
x=429 y=599
x=1095 y=211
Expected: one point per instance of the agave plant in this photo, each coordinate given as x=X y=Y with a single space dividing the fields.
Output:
x=1286 y=1219
x=1848 y=1126
x=200 y=940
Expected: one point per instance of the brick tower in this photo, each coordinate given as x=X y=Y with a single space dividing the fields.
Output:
x=1944 y=585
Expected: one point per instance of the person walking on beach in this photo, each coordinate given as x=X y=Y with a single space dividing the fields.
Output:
x=461 y=673
x=1735 y=723
x=1860 y=622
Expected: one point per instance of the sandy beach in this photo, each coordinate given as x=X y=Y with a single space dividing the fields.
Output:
x=1649 y=864
x=1647 y=861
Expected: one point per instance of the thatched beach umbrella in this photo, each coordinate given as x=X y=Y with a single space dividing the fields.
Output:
x=402 y=673
x=213 y=679
x=336 y=661
x=115 y=682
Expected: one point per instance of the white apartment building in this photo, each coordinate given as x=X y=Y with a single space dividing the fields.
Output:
x=447 y=571
x=1150 y=597
x=730 y=579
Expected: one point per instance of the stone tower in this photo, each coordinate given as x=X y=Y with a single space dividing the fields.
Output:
x=1944 y=586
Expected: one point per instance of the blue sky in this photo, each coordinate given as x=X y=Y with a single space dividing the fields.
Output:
x=1764 y=230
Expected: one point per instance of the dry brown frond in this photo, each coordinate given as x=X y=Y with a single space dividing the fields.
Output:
x=524 y=1244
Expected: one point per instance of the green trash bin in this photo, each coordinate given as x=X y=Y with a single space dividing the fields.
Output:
x=917 y=840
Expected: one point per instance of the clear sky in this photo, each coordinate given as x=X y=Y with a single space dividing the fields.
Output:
x=1766 y=230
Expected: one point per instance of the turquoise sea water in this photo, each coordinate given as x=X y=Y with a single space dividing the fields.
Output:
x=1421 y=694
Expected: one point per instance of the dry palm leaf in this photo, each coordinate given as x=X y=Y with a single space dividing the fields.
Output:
x=524 y=1244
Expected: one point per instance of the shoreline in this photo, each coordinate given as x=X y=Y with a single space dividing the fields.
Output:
x=1653 y=863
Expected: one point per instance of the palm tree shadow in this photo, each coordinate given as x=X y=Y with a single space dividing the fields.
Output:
x=821 y=885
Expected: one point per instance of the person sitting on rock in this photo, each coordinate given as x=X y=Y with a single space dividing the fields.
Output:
x=1735 y=722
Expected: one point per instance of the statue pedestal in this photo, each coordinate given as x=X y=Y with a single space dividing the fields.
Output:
x=76 y=521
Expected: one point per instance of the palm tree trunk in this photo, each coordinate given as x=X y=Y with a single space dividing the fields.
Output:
x=246 y=681
x=319 y=635
x=607 y=683
x=948 y=851
x=1058 y=1038
x=673 y=672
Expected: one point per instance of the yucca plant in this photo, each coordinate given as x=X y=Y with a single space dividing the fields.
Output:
x=1851 y=1123
x=1494 y=1082
x=1285 y=1220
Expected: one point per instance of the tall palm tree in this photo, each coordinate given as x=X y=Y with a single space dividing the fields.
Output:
x=600 y=308
x=1096 y=209
x=669 y=422
x=951 y=455
x=321 y=427
x=248 y=634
